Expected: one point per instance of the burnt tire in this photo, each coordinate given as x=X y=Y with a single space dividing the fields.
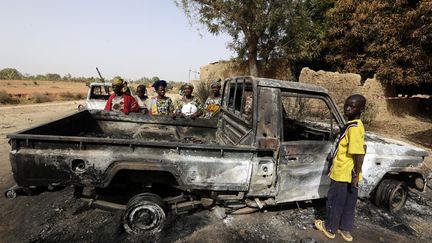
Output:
x=144 y=214
x=391 y=194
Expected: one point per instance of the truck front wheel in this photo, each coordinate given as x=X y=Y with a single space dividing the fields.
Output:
x=391 y=194
x=144 y=214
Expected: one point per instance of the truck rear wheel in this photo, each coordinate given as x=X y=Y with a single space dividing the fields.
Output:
x=144 y=214
x=391 y=194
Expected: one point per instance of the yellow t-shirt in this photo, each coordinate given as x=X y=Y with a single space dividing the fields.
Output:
x=351 y=142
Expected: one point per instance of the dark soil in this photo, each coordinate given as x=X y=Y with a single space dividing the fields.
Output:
x=59 y=217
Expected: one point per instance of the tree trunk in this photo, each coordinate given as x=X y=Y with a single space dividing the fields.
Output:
x=252 y=56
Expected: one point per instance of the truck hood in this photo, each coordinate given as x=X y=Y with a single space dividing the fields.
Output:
x=386 y=146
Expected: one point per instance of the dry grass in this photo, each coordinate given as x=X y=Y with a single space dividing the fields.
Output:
x=28 y=91
x=6 y=98
x=41 y=98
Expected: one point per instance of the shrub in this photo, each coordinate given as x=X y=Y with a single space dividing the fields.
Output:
x=67 y=95
x=79 y=96
x=202 y=90
x=40 y=98
x=6 y=98
x=35 y=83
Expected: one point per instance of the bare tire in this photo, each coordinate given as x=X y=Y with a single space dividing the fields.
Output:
x=144 y=214
x=391 y=194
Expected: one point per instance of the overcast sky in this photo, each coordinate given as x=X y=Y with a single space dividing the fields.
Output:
x=130 y=38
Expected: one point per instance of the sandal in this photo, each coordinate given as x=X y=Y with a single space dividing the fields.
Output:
x=346 y=235
x=320 y=225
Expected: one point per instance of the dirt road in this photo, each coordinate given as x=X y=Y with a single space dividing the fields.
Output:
x=58 y=217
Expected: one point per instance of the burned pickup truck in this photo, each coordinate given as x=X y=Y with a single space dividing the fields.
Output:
x=268 y=147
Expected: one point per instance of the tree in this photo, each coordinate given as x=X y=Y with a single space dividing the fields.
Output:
x=256 y=27
x=392 y=39
x=53 y=76
x=10 y=74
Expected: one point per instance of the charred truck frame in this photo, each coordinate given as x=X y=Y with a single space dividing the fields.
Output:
x=268 y=147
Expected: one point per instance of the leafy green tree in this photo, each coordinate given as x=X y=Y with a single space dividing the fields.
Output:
x=154 y=79
x=67 y=77
x=257 y=27
x=53 y=76
x=392 y=39
x=40 y=77
x=303 y=42
x=10 y=74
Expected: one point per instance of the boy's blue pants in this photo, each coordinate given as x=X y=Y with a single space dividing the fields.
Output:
x=341 y=203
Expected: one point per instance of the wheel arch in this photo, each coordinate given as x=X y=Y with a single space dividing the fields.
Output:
x=413 y=179
x=162 y=173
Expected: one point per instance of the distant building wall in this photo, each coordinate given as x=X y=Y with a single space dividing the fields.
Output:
x=226 y=69
x=342 y=85
x=222 y=70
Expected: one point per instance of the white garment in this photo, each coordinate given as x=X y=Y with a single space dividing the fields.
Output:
x=189 y=109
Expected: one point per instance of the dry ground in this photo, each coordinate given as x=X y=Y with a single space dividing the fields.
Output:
x=26 y=91
x=58 y=217
x=28 y=87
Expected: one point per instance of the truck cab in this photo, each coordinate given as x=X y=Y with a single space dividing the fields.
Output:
x=299 y=123
x=97 y=96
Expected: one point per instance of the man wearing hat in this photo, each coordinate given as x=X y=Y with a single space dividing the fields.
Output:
x=120 y=100
x=214 y=101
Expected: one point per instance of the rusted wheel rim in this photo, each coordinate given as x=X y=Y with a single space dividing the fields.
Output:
x=144 y=216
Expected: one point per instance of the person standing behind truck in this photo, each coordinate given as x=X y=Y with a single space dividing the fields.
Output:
x=120 y=101
x=160 y=105
x=213 y=103
x=345 y=173
x=188 y=105
x=142 y=98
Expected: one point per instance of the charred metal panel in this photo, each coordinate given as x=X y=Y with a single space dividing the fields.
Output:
x=194 y=168
x=268 y=122
x=263 y=178
x=215 y=173
x=388 y=156
x=302 y=171
x=235 y=131
x=387 y=146
x=302 y=87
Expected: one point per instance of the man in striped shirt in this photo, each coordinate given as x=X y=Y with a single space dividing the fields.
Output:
x=345 y=173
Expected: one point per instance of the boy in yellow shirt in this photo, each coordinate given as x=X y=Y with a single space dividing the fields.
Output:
x=345 y=173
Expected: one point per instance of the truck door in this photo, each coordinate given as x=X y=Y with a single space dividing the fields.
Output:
x=308 y=131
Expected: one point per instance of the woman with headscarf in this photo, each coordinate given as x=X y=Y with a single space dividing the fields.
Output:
x=214 y=101
x=160 y=105
x=119 y=100
x=188 y=105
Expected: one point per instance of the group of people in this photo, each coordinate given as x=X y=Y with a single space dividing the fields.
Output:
x=162 y=105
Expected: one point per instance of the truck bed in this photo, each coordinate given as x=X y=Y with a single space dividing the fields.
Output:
x=139 y=127
x=91 y=147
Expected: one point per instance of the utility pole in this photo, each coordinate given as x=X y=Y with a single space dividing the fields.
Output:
x=189 y=75
x=195 y=73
